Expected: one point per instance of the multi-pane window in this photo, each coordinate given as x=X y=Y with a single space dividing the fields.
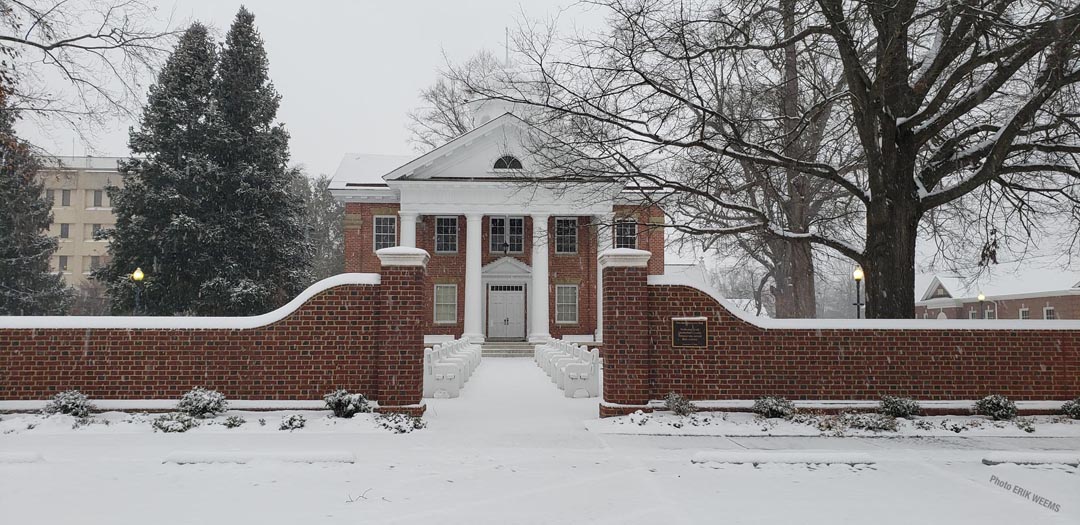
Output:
x=50 y=195
x=385 y=232
x=990 y=312
x=566 y=303
x=507 y=234
x=507 y=162
x=972 y=314
x=62 y=263
x=95 y=229
x=446 y=234
x=65 y=231
x=626 y=234
x=98 y=198
x=1025 y=313
x=566 y=235
x=65 y=197
x=1049 y=313
x=445 y=303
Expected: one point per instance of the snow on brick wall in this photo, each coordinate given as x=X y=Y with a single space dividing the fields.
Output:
x=346 y=336
x=745 y=361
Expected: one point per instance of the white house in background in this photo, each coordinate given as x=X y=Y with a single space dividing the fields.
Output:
x=509 y=261
x=1009 y=291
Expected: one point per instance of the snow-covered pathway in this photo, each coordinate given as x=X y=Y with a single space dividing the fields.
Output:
x=512 y=449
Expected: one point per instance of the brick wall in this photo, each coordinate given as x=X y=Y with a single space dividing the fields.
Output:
x=1065 y=307
x=744 y=361
x=365 y=338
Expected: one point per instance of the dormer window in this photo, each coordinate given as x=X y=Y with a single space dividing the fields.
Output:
x=507 y=162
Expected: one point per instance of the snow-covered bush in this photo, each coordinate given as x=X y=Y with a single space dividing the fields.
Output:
x=1071 y=408
x=639 y=418
x=174 y=422
x=201 y=402
x=899 y=406
x=773 y=406
x=234 y=421
x=1026 y=424
x=996 y=406
x=344 y=404
x=293 y=422
x=679 y=405
x=400 y=423
x=869 y=421
x=70 y=402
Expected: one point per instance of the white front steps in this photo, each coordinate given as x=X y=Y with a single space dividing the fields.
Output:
x=507 y=349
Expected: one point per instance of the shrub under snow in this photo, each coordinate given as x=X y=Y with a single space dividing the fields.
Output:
x=234 y=421
x=400 y=423
x=679 y=405
x=174 y=422
x=899 y=406
x=996 y=406
x=344 y=404
x=70 y=402
x=201 y=402
x=293 y=422
x=869 y=421
x=773 y=406
x=1071 y=408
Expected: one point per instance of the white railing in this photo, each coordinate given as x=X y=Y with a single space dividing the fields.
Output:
x=573 y=367
x=447 y=366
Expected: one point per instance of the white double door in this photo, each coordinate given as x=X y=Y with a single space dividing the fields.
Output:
x=506 y=311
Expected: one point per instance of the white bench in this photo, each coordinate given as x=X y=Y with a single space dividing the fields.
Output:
x=574 y=368
x=447 y=366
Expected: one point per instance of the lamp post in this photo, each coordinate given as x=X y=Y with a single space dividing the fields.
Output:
x=982 y=308
x=138 y=276
x=858 y=276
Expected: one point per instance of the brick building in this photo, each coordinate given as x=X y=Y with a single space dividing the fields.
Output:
x=509 y=260
x=1011 y=292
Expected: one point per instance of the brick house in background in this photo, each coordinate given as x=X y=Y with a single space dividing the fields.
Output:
x=1012 y=291
x=509 y=261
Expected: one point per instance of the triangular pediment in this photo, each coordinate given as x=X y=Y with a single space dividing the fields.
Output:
x=506 y=266
x=473 y=155
x=936 y=290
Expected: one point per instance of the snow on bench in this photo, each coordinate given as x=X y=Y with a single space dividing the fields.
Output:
x=760 y=457
x=573 y=367
x=191 y=457
x=1032 y=458
x=447 y=366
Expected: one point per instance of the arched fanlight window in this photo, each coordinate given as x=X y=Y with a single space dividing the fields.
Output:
x=508 y=162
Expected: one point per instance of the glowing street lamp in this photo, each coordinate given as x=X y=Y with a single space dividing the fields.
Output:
x=982 y=307
x=138 y=276
x=858 y=276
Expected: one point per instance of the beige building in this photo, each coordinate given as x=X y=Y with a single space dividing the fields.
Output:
x=76 y=187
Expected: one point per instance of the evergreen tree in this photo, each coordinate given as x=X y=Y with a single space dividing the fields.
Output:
x=324 y=226
x=264 y=255
x=27 y=287
x=162 y=224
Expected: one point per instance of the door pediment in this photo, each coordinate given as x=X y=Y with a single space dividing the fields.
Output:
x=506 y=267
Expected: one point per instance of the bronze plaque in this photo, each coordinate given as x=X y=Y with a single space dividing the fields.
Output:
x=689 y=332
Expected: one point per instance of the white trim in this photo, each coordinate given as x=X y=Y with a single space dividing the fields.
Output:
x=375 y=231
x=615 y=237
x=435 y=304
x=624 y=258
x=1020 y=313
x=944 y=302
x=577 y=303
x=862 y=324
x=555 y=236
x=506 y=236
x=1048 y=309
x=457 y=234
x=403 y=256
x=190 y=323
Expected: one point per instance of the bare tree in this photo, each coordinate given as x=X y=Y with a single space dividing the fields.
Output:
x=80 y=62
x=445 y=113
x=939 y=100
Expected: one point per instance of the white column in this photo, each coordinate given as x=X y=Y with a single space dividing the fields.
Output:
x=539 y=314
x=474 y=288
x=605 y=225
x=408 y=228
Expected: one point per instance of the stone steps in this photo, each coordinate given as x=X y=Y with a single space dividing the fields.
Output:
x=507 y=349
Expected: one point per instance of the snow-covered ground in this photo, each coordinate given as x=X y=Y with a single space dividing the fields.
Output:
x=512 y=449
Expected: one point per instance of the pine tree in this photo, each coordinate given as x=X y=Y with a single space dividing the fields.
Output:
x=166 y=219
x=27 y=287
x=264 y=253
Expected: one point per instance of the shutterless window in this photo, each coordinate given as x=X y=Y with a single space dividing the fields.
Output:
x=626 y=234
x=1049 y=313
x=50 y=195
x=65 y=231
x=99 y=198
x=65 y=197
x=95 y=262
x=62 y=263
x=566 y=303
x=445 y=303
x=991 y=312
x=1025 y=313
x=972 y=314
x=446 y=234
x=507 y=233
x=95 y=229
x=566 y=235
x=385 y=232
x=507 y=162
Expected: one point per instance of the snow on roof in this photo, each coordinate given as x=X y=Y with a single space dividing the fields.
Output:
x=1013 y=278
x=366 y=169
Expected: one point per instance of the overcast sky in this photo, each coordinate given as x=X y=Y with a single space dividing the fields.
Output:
x=348 y=71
